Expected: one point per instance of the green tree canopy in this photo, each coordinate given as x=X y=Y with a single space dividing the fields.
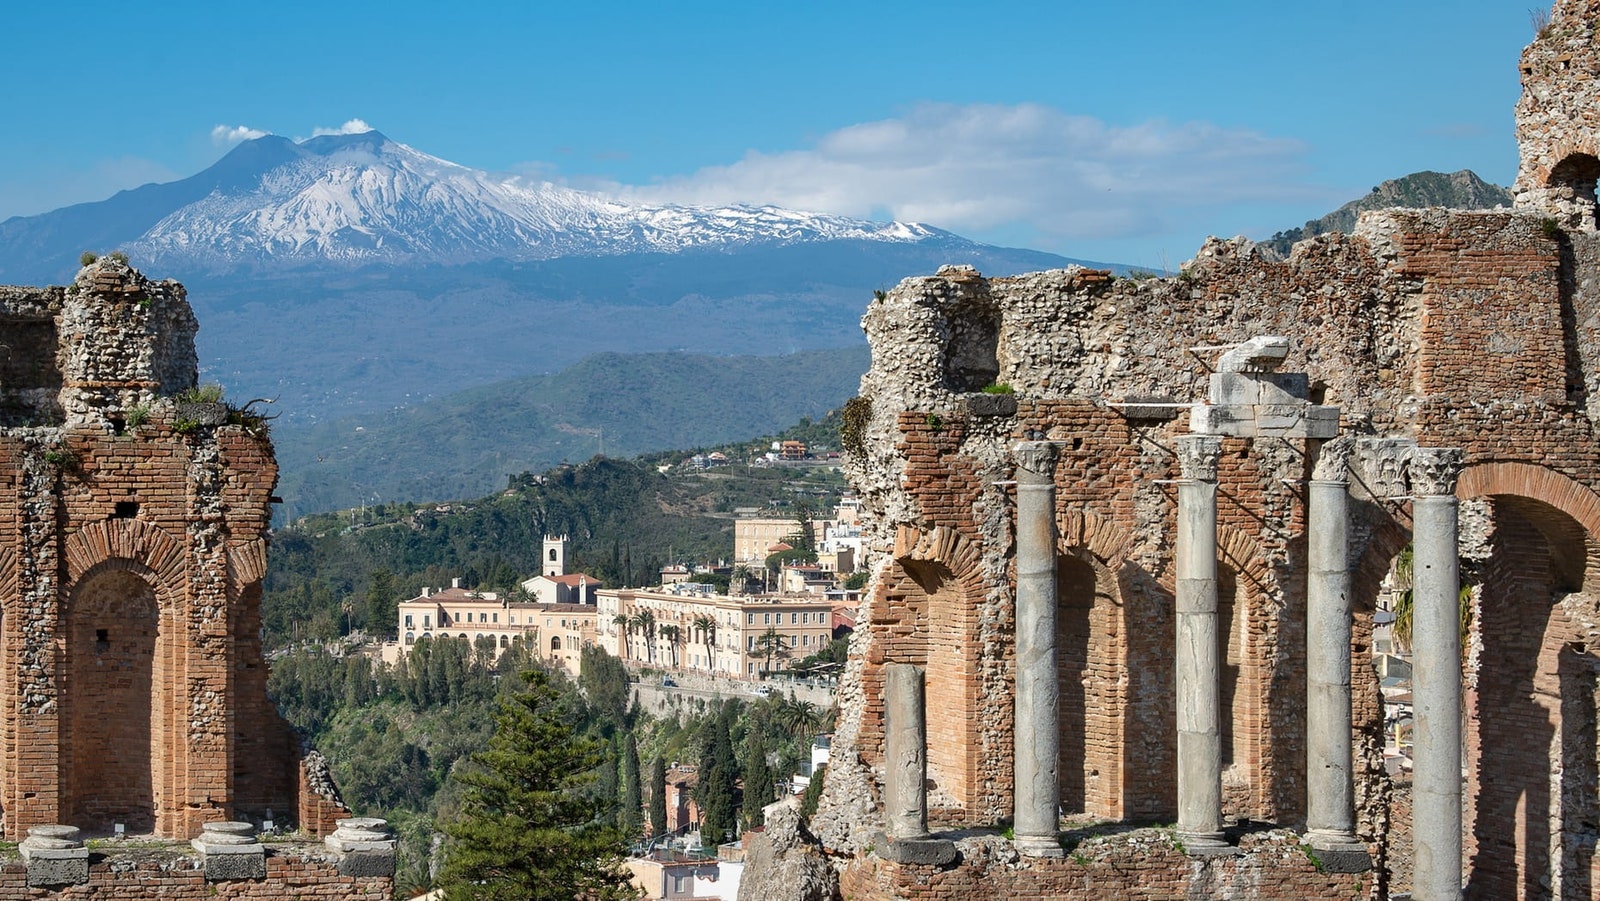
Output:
x=527 y=829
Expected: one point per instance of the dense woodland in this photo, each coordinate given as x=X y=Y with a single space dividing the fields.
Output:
x=400 y=738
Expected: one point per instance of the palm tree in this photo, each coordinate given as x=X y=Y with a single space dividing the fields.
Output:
x=1405 y=607
x=673 y=634
x=739 y=579
x=798 y=718
x=645 y=623
x=771 y=644
x=706 y=625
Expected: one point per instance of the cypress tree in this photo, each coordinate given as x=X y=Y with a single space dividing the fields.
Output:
x=527 y=829
x=758 y=781
x=632 y=812
x=658 y=798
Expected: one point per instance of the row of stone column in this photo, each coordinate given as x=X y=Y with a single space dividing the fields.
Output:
x=1330 y=816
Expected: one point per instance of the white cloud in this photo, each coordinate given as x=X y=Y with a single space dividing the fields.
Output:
x=227 y=135
x=980 y=167
x=351 y=127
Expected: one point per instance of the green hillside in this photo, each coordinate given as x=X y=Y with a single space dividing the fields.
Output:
x=1462 y=190
x=467 y=444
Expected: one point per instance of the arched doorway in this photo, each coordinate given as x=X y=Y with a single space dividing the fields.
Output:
x=112 y=703
x=1531 y=756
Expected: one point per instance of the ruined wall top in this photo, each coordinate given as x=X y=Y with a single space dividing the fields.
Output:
x=92 y=351
x=1558 y=117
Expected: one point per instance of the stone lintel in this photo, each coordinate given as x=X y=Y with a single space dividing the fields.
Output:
x=1280 y=420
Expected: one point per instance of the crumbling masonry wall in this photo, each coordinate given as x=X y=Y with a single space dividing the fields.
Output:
x=1451 y=329
x=133 y=530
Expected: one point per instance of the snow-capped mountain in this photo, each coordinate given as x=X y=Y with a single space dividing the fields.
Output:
x=365 y=198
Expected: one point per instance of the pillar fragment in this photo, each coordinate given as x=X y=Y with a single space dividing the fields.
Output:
x=1436 y=675
x=905 y=764
x=1199 y=735
x=1036 y=736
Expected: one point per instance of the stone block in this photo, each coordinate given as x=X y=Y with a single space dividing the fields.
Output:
x=365 y=846
x=981 y=404
x=926 y=851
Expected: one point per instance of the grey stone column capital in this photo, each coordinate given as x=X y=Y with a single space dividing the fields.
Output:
x=1333 y=461
x=1434 y=471
x=1198 y=456
x=1036 y=459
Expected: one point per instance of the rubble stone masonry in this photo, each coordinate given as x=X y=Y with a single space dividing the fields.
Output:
x=1445 y=328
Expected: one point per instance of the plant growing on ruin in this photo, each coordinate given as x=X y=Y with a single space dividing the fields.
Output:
x=209 y=393
x=87 y=257
x=998 y=388
x=136 y=416
x=853 y=424
x=61 y=458
x=119 y=256
x=1551 y=228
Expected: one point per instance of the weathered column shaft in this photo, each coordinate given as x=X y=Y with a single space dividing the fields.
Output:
x=1199 y=736
x=1436 y=676
x=905 y=752
x=1036 y=745
x=1330 y=805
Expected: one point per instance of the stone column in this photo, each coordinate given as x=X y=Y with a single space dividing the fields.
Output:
x=1199 y=738
x=905 y=752
x=1436 y=675
x=1036 y=736
x=905 y=772
x=1330 y=805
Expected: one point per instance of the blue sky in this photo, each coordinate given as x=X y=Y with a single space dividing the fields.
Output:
x=1124 y=132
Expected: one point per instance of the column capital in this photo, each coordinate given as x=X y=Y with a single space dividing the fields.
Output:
x=1333 y=461
x=1382 y=464
x=1035 y=457
x=1434 y=471
x=1198 y=456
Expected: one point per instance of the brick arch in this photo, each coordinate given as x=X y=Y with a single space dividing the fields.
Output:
x=124 y=540
x=1534 y=482
x=924 y=611
x=247 y=562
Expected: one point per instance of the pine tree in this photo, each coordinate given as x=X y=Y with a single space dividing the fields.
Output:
x=527 y=829
x=658 y=798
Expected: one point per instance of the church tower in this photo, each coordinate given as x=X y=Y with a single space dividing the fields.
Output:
x=555 y=555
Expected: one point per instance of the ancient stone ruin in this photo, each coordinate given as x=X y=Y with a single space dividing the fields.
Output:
x=1131 y=535
x=133 y=539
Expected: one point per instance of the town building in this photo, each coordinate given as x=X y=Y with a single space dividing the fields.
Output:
x=688 y=626
x=556 y=633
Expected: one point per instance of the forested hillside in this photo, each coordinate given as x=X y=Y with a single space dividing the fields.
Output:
x=333 y=573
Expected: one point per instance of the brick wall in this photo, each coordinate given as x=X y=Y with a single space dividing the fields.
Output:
x=293 y=871
x=1455 y=329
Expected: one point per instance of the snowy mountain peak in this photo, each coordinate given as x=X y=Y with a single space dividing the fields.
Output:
x=365 y=198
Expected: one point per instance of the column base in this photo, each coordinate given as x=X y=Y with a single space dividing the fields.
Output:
x=1339 y=852
x=1204 y=844
x=1038 y=846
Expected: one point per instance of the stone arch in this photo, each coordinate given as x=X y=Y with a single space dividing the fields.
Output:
x=925 y=611
x=127 y=540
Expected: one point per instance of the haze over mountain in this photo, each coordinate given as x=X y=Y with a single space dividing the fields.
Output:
x=352 y=273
